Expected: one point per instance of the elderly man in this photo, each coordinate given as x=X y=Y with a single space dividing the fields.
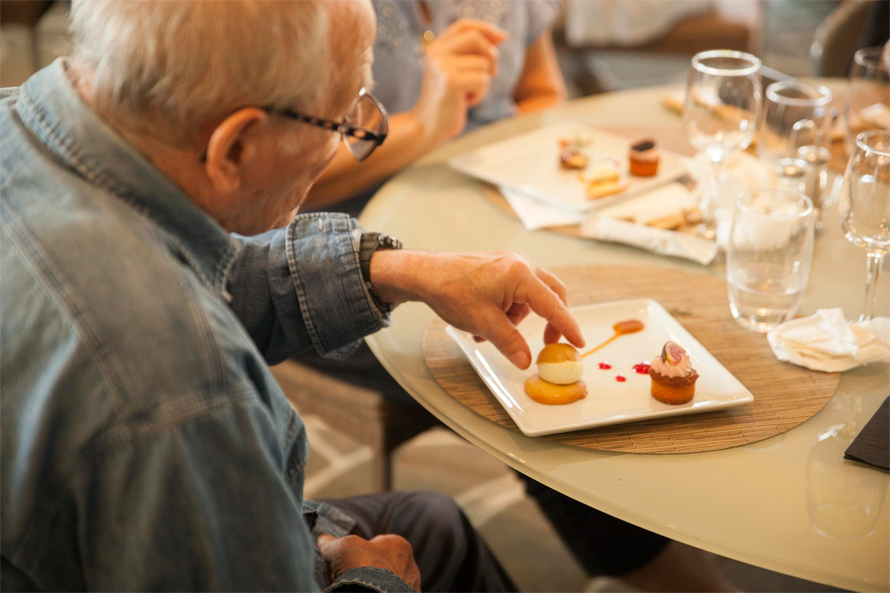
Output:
x=145 y=443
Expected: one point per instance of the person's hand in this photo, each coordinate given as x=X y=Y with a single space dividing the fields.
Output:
x=390 y=552
x=486 y=294
x=457 y=70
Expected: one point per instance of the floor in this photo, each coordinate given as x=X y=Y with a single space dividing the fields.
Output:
x=494 y=500
x=439 y=460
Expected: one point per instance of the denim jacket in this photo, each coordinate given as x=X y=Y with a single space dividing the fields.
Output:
x=145 y=444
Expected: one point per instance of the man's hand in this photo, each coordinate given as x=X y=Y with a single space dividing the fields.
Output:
x=486 y=294
x=390 y=552
x=457 y=71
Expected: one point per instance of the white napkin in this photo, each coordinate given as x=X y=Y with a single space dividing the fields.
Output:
x=606 y=224
x=826 y=342
x=538 y=214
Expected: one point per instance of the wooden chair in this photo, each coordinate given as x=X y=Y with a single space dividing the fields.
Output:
x=837 y=38
x=362 y=414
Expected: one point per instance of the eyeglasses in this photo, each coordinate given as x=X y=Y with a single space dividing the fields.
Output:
x=363 y=130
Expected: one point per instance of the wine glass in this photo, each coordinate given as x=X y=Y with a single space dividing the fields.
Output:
x=795 y=115
x=723 y=97
x=867 y=104
x=795 y=134
x=864 y=207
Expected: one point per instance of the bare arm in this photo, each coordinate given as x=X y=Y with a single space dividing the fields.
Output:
x=458 y=67
x=541 y=84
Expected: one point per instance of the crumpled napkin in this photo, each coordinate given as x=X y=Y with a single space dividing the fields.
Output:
x=826 y=342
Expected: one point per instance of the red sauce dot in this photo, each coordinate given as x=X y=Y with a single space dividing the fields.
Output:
x=620 y=379
x=605 y=366
x=641 y=368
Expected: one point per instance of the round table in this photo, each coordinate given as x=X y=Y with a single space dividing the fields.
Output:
x=789 y=503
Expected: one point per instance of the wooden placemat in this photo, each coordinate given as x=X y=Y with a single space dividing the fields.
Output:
x=784 y=394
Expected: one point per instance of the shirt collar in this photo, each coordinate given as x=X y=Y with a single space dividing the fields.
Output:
x=51 y=108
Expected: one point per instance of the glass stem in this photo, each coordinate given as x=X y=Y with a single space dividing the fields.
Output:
x=709 y=197
x=873 y=273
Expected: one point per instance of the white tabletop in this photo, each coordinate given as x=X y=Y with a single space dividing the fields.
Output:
x=789 y=503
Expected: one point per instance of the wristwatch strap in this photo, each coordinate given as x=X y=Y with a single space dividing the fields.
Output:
x=369 y=244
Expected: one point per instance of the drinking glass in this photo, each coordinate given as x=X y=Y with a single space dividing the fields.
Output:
x=723 y=98
x=768 y=257
x=864 y=207
x=795 y=133
x=795 y=115
x=867 y=104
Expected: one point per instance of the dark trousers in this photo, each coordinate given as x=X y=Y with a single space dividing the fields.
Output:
x=449 y=552
x=602 y=544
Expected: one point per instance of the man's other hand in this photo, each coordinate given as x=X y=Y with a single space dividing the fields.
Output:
x=389 y=552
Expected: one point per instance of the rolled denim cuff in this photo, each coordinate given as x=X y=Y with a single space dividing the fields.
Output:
x=324 y=264
x=369 y=578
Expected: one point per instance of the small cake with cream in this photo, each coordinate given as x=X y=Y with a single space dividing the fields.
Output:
x=673 y=378
x=559 y=376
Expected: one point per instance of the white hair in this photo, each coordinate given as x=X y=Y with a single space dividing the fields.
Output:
x=188 y=62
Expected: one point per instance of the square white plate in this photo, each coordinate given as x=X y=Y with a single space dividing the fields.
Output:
x=608 y=401
x=530 y=163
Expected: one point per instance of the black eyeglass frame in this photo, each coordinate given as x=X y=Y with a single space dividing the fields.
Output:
x=344 y=128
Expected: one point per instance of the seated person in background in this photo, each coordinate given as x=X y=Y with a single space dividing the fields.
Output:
x=442 y=68
x=146 y=445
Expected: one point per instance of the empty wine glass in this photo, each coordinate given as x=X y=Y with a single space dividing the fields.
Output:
x=864 y=207
x=867 y=104
x=795 y=134
x=723 y=97
x=795 y=115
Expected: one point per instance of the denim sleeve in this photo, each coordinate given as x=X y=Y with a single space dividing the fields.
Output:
x=302 y=286
x=206 y=504
x=369 y=579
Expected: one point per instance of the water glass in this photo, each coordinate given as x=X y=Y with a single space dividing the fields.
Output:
x=720 y=114
x=768 y=257
x=867 y=104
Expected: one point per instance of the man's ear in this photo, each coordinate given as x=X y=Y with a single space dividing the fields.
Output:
x=233 y=143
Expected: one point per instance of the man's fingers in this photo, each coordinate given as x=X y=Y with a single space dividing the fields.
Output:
x=554 y=283
x=518 y=312
x=506 y=338
x=546 y=303
x=327 y=545
x=551 y=334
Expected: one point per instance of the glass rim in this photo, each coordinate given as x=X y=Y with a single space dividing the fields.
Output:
x=869 y=56
x=862 y=142
x=751 y=68
x=823 y=100
x=775 y=190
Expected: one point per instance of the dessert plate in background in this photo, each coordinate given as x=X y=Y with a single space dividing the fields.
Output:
x=608 y=401
x=530 y=163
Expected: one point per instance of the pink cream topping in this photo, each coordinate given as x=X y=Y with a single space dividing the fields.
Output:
x=666 y=369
